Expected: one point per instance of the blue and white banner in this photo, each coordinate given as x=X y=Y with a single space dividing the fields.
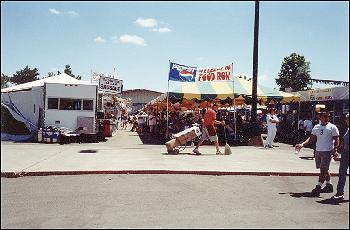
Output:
x=182 y=73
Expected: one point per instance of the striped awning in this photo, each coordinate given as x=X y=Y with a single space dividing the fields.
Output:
x=223 y=90
x=204 y=90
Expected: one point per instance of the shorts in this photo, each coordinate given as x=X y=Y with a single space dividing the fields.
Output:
x=206 y=136
x=323 y=159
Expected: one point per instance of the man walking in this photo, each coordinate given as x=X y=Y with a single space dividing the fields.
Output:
x=344 y=164
x=209 y=130
x=271 y=120
x=326 y=136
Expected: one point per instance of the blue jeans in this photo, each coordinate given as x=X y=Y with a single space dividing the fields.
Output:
x=344 y=165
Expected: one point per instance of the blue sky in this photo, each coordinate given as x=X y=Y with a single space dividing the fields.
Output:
x=139 y=38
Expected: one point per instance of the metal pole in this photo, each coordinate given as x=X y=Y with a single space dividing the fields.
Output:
x=167 y=106
x=234 y=102
x=255 y=63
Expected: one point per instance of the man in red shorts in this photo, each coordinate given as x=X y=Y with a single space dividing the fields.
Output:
x=209 y=129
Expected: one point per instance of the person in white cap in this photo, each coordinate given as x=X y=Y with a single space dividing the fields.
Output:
x=326 y=136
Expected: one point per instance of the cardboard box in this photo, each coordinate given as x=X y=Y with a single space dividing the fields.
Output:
x=170 y=144
x=187 y=135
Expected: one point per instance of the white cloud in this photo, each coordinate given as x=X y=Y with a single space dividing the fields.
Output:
x=73 y=13
x=54 y=11
x=162 y=30
x=133 y=39
x=99 y=40
x=146 y=22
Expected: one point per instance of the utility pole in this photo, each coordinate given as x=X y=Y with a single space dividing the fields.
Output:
x=255 y=64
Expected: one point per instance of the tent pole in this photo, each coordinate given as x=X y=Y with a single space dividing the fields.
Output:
x=167 y=106
x=298 y=119
x=234 y=103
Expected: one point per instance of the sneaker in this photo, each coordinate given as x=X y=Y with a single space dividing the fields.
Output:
x=327 y=189
x=316 y=191
x=196 y=151
x=218 y=153
x=270 y=147
x=338 y=196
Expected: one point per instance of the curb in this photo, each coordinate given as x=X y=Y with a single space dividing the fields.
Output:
x=150 y=172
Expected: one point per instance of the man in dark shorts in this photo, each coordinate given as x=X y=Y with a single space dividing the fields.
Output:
x=326 y=136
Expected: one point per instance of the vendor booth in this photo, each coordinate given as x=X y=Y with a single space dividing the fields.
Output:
x=194 y=96
x=334 y=100
x=60 y=101
x=111 y=107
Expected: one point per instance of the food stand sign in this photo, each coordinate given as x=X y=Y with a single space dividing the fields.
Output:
x=110 y=85
x=321 y=95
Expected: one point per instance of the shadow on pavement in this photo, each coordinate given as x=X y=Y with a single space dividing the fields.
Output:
x=333 y=201
x=307 y=158
x=151 y=139
x=300 y=194
x=88 y=151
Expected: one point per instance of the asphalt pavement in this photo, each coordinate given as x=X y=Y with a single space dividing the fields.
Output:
x=169 y=201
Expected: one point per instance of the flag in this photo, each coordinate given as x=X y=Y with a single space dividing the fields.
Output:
x=182 y=73
x=95 y=76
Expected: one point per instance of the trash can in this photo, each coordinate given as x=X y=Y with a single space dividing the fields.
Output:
x=107 y=128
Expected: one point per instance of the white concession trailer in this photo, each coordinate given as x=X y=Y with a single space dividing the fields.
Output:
x=61 y=101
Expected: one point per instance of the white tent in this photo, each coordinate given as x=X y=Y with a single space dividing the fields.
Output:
x=61 y=78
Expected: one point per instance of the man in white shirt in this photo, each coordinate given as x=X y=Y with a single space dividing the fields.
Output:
x=271 y=120
x=152 y=121
x=326 y=136
x=308 y=126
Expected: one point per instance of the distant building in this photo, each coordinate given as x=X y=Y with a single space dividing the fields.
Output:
x=140 y=97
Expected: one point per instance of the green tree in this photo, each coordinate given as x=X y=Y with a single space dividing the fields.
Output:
x=25 y=75
x=68 y=70
x=50 y=74
x=294 y=73
x=4 y=81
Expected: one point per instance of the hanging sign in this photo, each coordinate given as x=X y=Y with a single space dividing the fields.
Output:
x=110 y=85
x=223 y=73
x=321 y=95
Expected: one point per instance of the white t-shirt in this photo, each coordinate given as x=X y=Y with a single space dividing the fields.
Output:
x=308 y=125
x=325 y=134
x=152 y=120
x=269 y=123
x=140 y=119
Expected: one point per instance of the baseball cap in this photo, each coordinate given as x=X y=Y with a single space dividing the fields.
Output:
x=323 y=113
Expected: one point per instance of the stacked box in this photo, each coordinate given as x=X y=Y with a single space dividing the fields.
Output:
x=187 y=135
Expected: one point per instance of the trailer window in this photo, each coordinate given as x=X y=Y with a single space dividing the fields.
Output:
x=88 y=105
x=70 y=104
x=52 y=103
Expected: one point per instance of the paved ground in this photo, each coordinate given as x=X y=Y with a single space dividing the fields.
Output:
x=168 y=201
x=125 y=152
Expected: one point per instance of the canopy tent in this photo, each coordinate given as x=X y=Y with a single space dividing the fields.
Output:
x=60 y=78
x=223 y=90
